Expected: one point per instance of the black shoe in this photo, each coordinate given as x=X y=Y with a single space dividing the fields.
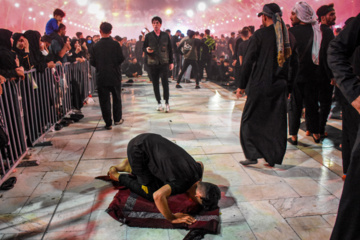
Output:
x=249 y=161
x=58 y=127
x=316 y=140
x=178 y=86
x=197 y=87
x=108 y=127
x=292 y=141
x=130 y=81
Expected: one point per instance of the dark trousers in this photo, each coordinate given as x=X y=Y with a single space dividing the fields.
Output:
x=205 y=63
x=304 y=94
x=195 y=68
x=325 y=99
x=157 y=72
x=177 y=65
x=105 y=103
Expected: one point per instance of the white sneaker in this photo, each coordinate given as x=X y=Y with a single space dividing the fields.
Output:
x=159 y=107
x=167 y=108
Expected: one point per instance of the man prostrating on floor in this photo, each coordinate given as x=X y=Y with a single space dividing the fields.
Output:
x=162 y=168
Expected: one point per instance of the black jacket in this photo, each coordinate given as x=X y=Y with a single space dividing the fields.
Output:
x=161 y=45
x=106 y=56
x=327 y=36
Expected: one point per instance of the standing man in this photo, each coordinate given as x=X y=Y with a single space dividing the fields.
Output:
x=206 y=49
x=175 y=43
x=327 y=17
x=106 y=56
x=264 y=72
x=231 y=46
x=157 y=46
x=339 y=53
x=308 y=39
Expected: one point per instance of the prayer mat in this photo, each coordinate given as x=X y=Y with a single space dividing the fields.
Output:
x=135 y=211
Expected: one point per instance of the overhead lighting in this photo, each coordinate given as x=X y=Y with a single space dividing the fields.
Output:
x=42 y=13
x=30 y=18
x=30 y=9
x=168 y=11
x=190 y=13
x=82 y=2
x=100 y=15
x=201 y=6
x=17 y=5
x=216 y=1
x=94 y=8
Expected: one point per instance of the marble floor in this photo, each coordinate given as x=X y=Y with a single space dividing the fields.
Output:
x=60 y=199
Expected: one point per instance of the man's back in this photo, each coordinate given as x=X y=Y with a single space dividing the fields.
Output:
x=304 y=39
x=168 y=162
x=106 y=57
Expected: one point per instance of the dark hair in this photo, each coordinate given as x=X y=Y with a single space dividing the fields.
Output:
x=245 y=32
x=202 y=34
x=46 y=38
x=140 y=37
x=212 y=196
x=78 y=34
x=61 y=26
x=232 y=33
x=226 y=61
x=323 y=10
x=59 y=12
x=207 y=31
x=168 y=30
x=118 y=38
x=190 y=33
x=252 y=29
x=178 y=31
x=156 y=18
x=106 y=27
x=349 y=20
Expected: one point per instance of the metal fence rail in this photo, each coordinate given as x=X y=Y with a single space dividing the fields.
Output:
x=31 y=107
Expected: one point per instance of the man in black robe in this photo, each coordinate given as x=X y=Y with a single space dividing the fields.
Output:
x=159 y=168
x=106 y=56
x=263 y=122
x=339 y=53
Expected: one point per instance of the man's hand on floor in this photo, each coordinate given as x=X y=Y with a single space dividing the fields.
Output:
x=183 y=218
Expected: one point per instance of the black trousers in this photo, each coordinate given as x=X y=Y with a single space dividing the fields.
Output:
x=105 y=103
x=177 y=65
x=205 y=63
x=195 y=69
x=157 y=72
x=304 y=94
x=325 y=99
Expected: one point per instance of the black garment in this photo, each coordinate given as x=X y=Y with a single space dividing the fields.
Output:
x=174 y=40
x=7 y=57
x=23 y=57
x=155 y=159
x=232 y=43
x=37 y=59
x=139 y=52
x=263 y=123
x=195 y=68
x=125 y=51
x=224 y=73
x=205 y=59
x=161 y=45
x=106 y=57
x=238 y=40
x=306 y=82
x=221 y=47
x=133 y=68
x=339 y=53
x=105 y=103
x=325 y=88
x=156 y=72
x=241 y=51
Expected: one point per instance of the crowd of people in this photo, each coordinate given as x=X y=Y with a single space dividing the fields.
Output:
x=282 y=69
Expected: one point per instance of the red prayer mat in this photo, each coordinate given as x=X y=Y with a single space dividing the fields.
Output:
x=135 y=211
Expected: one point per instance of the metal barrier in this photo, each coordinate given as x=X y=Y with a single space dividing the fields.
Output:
x=31 y=107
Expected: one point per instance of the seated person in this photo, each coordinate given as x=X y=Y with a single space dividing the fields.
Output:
x=76 y=54
x=133 y=69
x=53 y=24
x=226 y=72
x=162 y=168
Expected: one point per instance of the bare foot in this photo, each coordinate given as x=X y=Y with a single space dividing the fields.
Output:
x=113 y=174
x=124 y=166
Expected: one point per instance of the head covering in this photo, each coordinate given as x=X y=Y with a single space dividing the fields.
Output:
x=306 y=14
x=273 y=11
x=33 y=38
x=16 y=38
x=72 y=43
x=323 y=10
x=5 y=36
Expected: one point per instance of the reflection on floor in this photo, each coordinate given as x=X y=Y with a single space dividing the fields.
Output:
x=60 y=199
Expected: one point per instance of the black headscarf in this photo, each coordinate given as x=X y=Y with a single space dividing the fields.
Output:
x=5 y=36
x=37 y=60
x=16 y=38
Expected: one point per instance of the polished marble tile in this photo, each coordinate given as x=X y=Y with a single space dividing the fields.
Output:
x=312 y=227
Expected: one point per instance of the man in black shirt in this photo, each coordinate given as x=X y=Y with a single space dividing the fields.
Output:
x=106 y=56
x=161 y=169
x=139 y=50
x=157 y=46
x=175 y=43
x=134 y=69
x=231 y=46
x=326 y=14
